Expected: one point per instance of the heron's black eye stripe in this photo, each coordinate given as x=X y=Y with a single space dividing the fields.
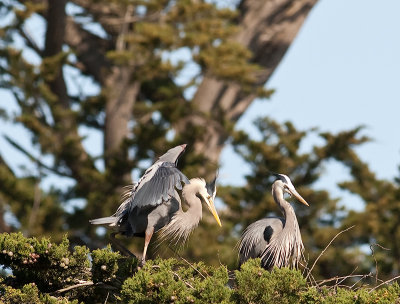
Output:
x=284 y=179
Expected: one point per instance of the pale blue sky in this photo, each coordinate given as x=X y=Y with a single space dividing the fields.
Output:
x=342 y=71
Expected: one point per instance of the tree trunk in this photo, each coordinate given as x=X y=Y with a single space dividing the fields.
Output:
x=75 y=156
x=267 y=28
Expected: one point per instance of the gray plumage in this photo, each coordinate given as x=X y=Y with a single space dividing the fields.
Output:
x=184 y=222
x=154 y=203
x=275 y=240
x=156 y=186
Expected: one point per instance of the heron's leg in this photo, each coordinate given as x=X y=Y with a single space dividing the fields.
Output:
x=147 y=237
x=125 y=251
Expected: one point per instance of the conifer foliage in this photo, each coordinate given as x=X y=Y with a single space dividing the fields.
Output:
x=144 y=76
x=53 y=274
x=140 y=75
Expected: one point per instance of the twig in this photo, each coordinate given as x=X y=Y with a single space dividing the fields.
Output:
x=30 y=41
x=312 y=279
x=32 y=157
x=362 y=278
x=386 y=282
x=181 y=257
x=108 y=293
x=339 y=278
x=187 y=284
x=323 y=251
x=376 y=262
x=187 y=262
x=84 y=283
x=177 y=275
x=346 y=277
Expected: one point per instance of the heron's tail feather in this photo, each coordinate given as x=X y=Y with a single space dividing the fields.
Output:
x=110 y=220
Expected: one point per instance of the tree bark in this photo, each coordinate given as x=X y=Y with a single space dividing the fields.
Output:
x=267 y=28
x=122 y=93
x=75 y=156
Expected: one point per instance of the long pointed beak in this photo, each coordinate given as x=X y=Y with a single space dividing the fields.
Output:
x=211 y=207
x=298 y=196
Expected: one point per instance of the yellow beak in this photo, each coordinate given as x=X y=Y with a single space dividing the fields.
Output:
x=298 y=196
x=211 y=207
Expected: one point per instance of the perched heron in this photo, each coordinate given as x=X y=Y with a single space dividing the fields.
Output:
x=277 y=241
x=153 y=204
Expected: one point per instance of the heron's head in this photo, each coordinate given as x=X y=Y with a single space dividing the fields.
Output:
x=288 y=187
x=206 y=196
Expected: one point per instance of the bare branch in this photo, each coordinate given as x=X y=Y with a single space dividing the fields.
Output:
x=33 y=158
x=320 y=283
x=85 y=283
x=362 y=278
x=182 y=258
x=30 y=41
x=177 y=275
x=386 y=282
x=376 y=262
x=323 y=251
x=81 y=284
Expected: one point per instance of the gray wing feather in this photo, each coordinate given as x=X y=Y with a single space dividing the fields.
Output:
x=158 y=186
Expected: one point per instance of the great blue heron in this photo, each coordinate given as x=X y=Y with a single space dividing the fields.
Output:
x=153 y=204
x=277 y=241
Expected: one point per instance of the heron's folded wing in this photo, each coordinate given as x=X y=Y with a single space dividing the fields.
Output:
x=157 y=186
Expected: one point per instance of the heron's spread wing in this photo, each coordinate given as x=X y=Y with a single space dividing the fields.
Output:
x=157 y=185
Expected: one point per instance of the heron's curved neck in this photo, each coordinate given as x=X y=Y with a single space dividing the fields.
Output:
x=194 y=211
x=286 y=208
x=184 y=222
x=288 y=243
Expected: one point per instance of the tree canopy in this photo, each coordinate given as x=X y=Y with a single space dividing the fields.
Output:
x=144 y=76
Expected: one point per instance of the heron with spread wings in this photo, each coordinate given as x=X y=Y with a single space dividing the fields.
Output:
x=276 y=240
x=153 y=204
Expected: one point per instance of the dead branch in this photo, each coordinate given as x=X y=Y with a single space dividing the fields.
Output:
x=386 y=282
x=346 y=277
x=177 y=275
x=362 y=278
x=81 y=284
x=85 y=283
x=376 y=262
x=312 y=279
x=181 y=257
x=323 y=251
x=320 y=283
